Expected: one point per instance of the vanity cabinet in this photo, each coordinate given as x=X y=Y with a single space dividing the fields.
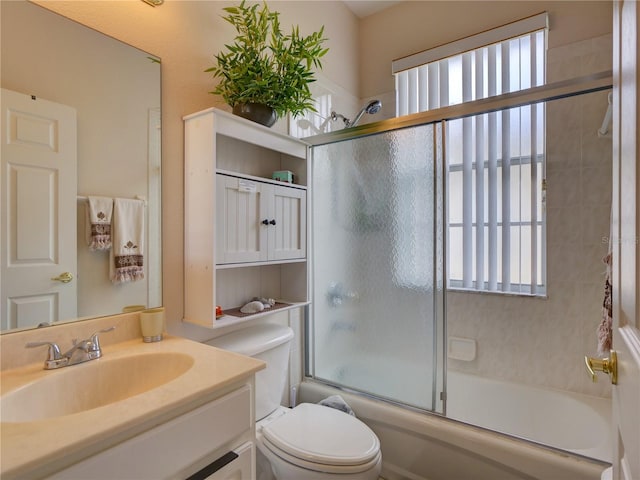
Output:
x=215 y=441
x=245 y=233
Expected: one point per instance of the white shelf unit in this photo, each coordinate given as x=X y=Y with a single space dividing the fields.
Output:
x=231 y=253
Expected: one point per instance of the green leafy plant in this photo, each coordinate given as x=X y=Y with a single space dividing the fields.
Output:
x=264 y=65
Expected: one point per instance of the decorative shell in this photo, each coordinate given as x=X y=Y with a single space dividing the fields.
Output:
x=252 y=307
x=267 y=302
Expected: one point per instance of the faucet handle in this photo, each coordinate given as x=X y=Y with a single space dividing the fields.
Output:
x=95 y=338
x=54 y=350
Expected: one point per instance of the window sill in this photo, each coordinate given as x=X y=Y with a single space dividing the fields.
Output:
x=540 y=296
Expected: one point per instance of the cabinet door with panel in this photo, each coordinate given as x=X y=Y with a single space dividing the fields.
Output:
x=287 y=223
x=241 y=237
x=258 y=222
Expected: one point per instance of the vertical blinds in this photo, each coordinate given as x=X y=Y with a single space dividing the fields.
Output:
x=423 y=79
x=495 y=160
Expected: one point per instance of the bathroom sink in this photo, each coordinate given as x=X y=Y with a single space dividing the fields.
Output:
x=91 y=385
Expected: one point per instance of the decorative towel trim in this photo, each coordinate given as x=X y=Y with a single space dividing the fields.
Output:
x=129 y=268
x=605 y=329
x=99 y=213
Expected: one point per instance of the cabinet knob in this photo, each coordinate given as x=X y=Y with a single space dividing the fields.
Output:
x=273 y=222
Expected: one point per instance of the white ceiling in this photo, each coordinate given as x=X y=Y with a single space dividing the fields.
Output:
x=364 y=8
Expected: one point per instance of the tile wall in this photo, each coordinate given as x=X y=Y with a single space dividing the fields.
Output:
x=543 y=341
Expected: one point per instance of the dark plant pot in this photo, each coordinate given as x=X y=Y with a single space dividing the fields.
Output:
x=256 y=112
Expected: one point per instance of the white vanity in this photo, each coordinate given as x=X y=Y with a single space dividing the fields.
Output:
x=174 y=409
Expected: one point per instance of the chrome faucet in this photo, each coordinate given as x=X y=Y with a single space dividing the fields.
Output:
x=81 y=351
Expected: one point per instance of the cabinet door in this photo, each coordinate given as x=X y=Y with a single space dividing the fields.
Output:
x=241 y=207
x=287 y=238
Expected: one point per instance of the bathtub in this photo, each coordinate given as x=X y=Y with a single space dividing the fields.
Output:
x=576 y=423
x=418 y=446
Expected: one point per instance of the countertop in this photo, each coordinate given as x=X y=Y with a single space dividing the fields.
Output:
x=38 y=448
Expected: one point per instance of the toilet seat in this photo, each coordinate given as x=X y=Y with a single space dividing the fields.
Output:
x=318 y=467
x=322 y=439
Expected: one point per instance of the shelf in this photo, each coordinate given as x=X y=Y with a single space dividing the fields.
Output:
x=251 y=132
x=255 y=178
x=224 y=266
x=227 y=320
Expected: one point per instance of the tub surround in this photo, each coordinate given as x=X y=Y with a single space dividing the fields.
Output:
x=421 y=447
x=555 y=333
x=556 y=418
x=559 y=419
x=39 y=448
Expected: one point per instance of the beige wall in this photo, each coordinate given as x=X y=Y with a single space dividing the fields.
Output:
x=418 y=25
x=186 y=35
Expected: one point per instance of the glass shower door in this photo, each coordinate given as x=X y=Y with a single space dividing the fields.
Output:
x=377 y=315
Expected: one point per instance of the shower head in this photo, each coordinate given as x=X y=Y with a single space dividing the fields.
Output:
x=372 y=107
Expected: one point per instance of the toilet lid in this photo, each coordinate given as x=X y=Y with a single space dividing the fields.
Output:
x=323 y=435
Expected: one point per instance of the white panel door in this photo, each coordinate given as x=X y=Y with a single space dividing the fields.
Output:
x=626 y=228
x=241 y=236
x=287 y=228
x=38 y=215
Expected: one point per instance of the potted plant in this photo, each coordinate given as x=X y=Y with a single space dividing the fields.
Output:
x=264 y=68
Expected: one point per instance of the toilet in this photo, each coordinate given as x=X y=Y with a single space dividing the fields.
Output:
x=309 y=441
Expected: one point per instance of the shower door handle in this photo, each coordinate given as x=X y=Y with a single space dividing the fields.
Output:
x=606 y=365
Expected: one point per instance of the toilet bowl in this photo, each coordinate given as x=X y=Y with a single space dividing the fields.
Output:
x=309 y=441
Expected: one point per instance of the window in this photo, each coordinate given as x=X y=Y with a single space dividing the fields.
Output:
x=313 y=123
x=495 y=161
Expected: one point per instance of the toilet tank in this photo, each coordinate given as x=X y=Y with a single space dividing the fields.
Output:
x=269 y=343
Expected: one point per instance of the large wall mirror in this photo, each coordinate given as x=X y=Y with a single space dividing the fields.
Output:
x=53 y=64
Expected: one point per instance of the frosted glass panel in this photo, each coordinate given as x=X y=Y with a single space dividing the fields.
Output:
x=375 y=288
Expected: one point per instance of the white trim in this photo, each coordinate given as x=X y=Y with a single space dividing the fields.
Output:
x=479 y=40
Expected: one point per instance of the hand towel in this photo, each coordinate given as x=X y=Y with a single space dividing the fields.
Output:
x=605 y=329
x=127 y=254
x=99 y=212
